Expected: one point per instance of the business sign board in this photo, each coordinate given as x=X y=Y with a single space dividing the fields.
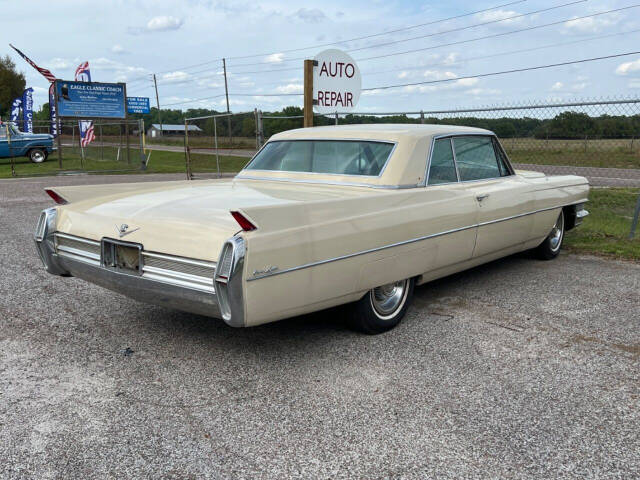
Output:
x=90 y=100
x=336 y=82
x=138 y=105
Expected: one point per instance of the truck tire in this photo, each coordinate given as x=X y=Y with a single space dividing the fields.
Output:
x=37 y=155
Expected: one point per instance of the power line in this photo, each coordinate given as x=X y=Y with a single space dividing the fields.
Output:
x=475 y=39
x=535 y=27
x=388 y=32
x=503 y=72
x=512 y=52
x=378 y=45
x=237 y=95
x=380 y=34
x=428 y=82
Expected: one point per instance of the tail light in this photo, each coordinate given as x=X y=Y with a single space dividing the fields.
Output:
x=56 y=198
x=244 y=223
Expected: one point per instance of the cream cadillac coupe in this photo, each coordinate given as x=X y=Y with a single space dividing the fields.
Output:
x=319 y=217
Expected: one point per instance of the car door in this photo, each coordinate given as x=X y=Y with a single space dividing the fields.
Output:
x=502 y=198
x=4 y=143
x=450 y=209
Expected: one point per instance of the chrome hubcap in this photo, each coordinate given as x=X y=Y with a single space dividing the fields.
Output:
x=388 y=299
x=555 y=237
x=37 y=157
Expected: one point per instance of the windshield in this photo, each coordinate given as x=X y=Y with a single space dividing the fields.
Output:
x=341 y=157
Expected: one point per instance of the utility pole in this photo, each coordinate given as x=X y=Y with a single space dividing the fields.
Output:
x=155 y=83
x=308 y=93
x=226 y=92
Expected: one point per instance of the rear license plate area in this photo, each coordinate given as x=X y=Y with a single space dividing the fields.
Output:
x=123 y=257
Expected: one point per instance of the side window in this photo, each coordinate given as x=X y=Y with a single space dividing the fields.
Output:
x=3 y=132
x=476 y=158
x=442 y=168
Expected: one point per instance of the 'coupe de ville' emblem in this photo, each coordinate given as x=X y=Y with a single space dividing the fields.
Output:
x=124 y=230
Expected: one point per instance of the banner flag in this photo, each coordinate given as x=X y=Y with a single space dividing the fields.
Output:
x=27 y=110
x=52 y=100
x=87 y=135
x=53 y=114
x=15 y=112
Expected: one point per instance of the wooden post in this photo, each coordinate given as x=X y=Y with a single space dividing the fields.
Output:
x=308 y=93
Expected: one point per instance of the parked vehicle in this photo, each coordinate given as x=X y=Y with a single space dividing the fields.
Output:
x=14 y=143
x=319 y=217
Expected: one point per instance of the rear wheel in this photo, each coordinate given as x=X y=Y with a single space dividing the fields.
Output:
x=550 y=248
x=382 y=308
x=37 y=155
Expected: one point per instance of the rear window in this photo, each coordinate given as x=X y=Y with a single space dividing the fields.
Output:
x=340 y=157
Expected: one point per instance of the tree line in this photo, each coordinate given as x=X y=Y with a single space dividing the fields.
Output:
x=564 y=125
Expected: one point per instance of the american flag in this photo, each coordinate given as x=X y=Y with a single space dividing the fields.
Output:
x=87 y=134
x=46 y=73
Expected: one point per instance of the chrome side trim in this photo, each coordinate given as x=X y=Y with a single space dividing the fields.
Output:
x=229 y=288
x=45 y=241
x=189 y=261
x=397 y=244
x=324 y=182
x=77 y=239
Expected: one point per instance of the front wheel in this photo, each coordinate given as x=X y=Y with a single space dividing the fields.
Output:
x=550 y=248
x=37 y=155
x=382 y=308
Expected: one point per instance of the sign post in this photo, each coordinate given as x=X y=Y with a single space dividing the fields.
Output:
x=308 y=93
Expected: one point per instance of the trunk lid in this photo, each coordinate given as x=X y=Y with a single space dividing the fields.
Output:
x=189 y=219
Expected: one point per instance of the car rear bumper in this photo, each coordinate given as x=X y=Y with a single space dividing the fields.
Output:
x=221 y=298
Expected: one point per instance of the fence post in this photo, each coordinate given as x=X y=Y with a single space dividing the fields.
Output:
x=634 y=223
x=336 y=114
x=421 y=116
x=187 y=154
x=143 y=163
x=59 y=142
x=260 y=130
x=101 y=144
x=215 y=142
x=127 y=140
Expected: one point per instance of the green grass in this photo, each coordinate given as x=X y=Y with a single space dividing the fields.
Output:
x=159 y=162
x=606 y=230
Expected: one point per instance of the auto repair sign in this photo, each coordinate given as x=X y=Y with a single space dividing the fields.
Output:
x=336 y=82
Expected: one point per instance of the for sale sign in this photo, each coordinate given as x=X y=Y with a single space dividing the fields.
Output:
x=336 y=82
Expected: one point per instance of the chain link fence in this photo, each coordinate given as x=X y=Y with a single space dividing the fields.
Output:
x=117 y=147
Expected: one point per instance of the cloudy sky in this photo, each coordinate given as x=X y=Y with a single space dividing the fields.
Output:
x=265 y=41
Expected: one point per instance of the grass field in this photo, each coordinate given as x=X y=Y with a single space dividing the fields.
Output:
x=603 y=153
x=159 y=162
x=606 y=230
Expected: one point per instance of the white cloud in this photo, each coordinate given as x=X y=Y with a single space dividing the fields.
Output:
x=290 y=88
x=483 y=91
x=574 y=87
x=175 y=77
x=118 y=49
x=557 y=86
x=634 y=83
x=59 y=63
x=275 y=58
x=164 y=22
x=590 y=25
x=403 y=74
x=628 y=67
x=451 y=58
x=310 y=15
x=497 y=15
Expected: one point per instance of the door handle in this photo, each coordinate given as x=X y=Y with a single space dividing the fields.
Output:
x=482 y=197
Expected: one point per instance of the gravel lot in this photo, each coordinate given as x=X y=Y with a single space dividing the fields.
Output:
x=517 y=369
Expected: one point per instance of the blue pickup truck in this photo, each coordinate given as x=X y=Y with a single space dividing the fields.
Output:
x=14 y=143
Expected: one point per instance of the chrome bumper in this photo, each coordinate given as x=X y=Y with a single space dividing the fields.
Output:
x=226 y=289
